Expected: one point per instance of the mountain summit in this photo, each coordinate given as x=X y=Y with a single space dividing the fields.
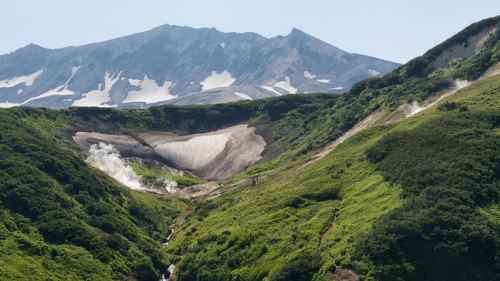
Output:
x=180 y=65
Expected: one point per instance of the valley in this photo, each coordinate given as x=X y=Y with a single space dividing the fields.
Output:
x=395 y=179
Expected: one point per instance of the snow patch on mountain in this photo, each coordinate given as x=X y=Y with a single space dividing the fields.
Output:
x=135 y=82
x=27 y=80
x=150 y=91
x=243 y=96
x=217 y=80
x=373 y=72
x=99 y=97
x=8 y=104
x=309 y=75
x=286 y=85
x=59 y=91
x=324 y=81
x=271 y=89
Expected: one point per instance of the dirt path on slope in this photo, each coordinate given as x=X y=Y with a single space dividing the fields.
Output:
x=365 y=123
x=403 y=112
x=207 y=190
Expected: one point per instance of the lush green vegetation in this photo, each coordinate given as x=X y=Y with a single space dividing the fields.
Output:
x=62 y=220
x=417 y=200
x=359 y=209
x=450 y=169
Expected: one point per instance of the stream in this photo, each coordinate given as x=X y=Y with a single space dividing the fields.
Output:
x=167 y=276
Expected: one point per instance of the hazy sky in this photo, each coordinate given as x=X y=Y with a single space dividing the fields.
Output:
x=391 y=29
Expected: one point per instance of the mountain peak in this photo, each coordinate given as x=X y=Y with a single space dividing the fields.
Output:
x=193 y=61
x=298 y=33
x=31 y=48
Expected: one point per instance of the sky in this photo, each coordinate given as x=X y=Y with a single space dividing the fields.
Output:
x=396 y=30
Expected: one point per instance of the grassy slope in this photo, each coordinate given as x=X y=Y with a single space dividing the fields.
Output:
x=278 y=228
x=295 y=222
x=323 y=209
x=67 y=221
x=155 y=174
x=62 y=220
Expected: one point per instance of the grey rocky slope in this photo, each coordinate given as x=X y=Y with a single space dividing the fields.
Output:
x=180 y=65
x=213 y=155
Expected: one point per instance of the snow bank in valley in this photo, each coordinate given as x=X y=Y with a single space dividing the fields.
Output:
x=194 y=153
x=27 y=80
x=107 y=159
x=217 y=80
x=214 y=155
x=149 y=91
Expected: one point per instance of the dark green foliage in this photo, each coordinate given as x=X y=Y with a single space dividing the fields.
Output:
x=193 y=119
x=323 y=195
x=44 y=181
x=447 y=167
x=237 y=249
x=53 y=206
x=302 y=268
x=452 y=106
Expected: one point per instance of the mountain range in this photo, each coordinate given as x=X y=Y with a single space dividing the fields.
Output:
x=180 y=65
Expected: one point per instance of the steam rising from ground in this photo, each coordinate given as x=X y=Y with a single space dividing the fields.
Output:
x=107 y=159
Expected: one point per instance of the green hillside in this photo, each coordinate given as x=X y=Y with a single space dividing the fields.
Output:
x=62 y=220
x=405 y=199
x=396 y=202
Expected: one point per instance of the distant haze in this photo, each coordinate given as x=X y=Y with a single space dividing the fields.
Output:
x=396 y=30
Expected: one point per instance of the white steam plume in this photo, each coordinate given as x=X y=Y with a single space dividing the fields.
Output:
x=107 y=159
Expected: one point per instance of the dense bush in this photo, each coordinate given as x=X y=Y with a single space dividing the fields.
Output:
x=448 y=168
x=66 y=202
x=302 y=268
